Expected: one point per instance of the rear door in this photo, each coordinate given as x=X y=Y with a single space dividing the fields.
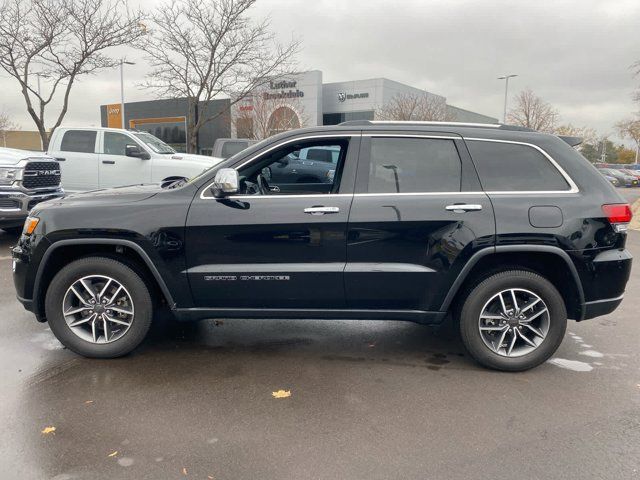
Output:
x=418 y=214
x=76 y=150
x=116 y=169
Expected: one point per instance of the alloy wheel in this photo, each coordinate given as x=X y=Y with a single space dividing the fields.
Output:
x=98 y=309
x=514 y=322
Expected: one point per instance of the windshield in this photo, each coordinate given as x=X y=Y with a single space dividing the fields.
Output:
x=154 y=143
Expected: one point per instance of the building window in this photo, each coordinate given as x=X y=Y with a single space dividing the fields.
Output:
x=336 y=118
x=283 y=119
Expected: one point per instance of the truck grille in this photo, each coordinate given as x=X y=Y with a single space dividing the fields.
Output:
x=5 y=203
x=41 y=175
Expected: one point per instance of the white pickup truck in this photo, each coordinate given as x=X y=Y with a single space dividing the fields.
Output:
x=92 y=158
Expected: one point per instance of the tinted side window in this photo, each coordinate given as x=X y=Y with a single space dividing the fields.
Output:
x=116 y=143
x=79 y=141
x=229 y=149
x=413 y=165
x=505 y=167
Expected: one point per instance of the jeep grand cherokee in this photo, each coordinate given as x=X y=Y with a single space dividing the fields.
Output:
x=508 y=231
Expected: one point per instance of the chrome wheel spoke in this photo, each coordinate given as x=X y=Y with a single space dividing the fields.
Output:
x=501 y=341
x=523 y=337
x=116 y=320
x=492 y=316
x=531 y=305
x=515 y=301
x=534 y=316
x=94 y=317
x=534 y=330
x=73 y=311
x=104 y=289
x=120 y=310
x=514 y=337
x=492 y=328
x=83 y=320
x=502 y=304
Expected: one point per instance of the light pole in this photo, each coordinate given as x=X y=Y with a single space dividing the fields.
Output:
x=122 y=62
x=506 y=92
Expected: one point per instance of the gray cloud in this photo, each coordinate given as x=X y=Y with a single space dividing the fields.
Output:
x=575 y=54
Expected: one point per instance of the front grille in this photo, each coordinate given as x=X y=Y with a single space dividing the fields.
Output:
x=41 y=175
x=6 y=203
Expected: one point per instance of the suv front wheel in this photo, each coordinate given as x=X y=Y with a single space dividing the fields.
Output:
x=99 y=307
x=513 y=320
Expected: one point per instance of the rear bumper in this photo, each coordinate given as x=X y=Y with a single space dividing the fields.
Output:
x=597 y=308
x=604 y=280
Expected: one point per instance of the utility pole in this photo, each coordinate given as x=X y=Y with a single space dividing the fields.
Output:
x=506 y=93
x=122 y=63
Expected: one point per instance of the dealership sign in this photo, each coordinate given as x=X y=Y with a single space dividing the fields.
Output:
x=281 y=85
x=343 y=96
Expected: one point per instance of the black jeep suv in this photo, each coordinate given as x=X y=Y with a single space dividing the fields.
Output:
x=509 y=231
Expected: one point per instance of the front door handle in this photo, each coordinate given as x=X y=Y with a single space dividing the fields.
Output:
x=109 y=162
x=463 y=207
x=321 y=210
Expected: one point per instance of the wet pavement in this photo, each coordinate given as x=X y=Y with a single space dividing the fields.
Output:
x=369 y=400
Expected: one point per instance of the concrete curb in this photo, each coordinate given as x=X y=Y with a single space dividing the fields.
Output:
x=635 y=221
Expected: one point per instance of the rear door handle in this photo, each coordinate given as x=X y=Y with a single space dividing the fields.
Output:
x=60 y=159
x=321 y=210
x=109 y=162
x=463 y=207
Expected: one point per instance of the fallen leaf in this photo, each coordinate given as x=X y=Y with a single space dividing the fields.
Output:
x=113 y=454
x=48 y=430
x=88 y=402
x=210 y=477
x=371 y=345
x=184 y=470
x=281 y=394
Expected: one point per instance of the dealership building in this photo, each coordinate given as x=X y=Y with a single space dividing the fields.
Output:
x=296 y=101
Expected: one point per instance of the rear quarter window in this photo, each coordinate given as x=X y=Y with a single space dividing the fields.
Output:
x=506 y=167
x=83 y=141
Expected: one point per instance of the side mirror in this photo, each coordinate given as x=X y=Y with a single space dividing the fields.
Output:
x=226 y=182
x=136 y=152
x=284 y=161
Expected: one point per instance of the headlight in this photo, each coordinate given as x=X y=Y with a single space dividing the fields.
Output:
x=8 y=175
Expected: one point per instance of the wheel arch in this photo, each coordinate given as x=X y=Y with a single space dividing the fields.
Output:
x=126 y=251
x=542 y=259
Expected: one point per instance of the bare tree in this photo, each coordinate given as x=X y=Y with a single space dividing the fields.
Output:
x=533 y=112
x=259 y=115
x=205 y=49
x=630 y=129
x=6 y=125
x=417 y=107
x=60 y=41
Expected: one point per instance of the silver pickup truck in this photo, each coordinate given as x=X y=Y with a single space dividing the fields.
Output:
x=26 y=179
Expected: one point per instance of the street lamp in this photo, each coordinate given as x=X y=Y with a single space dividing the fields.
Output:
x=122 y=62
x=506 y=92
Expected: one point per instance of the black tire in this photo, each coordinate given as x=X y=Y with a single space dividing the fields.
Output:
x=123 y=274
x=479 y=294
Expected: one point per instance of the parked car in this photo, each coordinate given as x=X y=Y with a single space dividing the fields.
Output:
x=624 y=179
x=228 y=147
x=26 y=178
x=630 y=172
x=93 y=158
x=508 y=231
x=612 y=180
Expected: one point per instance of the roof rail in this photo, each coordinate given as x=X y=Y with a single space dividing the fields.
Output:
x=361 y=123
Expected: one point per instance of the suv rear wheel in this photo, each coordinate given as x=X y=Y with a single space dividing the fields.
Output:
x=99 y=307
x=513 y=320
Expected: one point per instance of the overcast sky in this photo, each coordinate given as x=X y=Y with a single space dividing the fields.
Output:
x=575 y=54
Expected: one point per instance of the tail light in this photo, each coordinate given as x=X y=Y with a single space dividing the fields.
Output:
x=619 y=215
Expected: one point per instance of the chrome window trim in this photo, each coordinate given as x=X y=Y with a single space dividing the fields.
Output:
x=573 y=188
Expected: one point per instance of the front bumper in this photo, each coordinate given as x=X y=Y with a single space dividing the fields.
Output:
x=16 y=205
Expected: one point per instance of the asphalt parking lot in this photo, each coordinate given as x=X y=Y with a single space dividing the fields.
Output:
x=369 y=400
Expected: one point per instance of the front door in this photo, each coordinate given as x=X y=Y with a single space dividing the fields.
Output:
x=281 y=242
x=116 y=169
x=418 y=214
